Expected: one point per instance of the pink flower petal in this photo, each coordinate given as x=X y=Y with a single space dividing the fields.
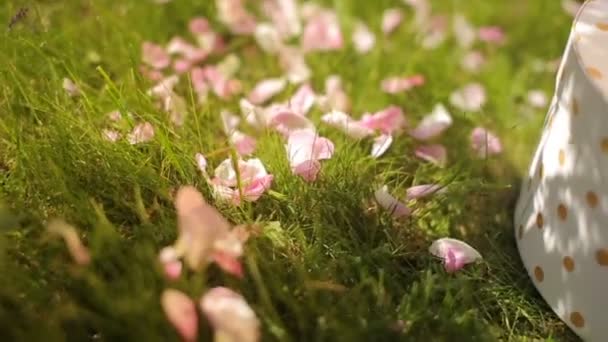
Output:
x=335 y=97
x=395 y=85
x=268 y=38
x=387 y=121
x=433 y=124
x=470 y=98
x=302 y=101
x=285 y=17
x=254 y=190
x=79 y=252
x=436 y=154
x=254 y=180
x=155 y=56
x=201 y=162
x=189 y=52
x=391 y=204
x=308 y=170
x=181 y=313
x=200 y=225
x=491 y=34
x=346 y=124
x=292 y=61
x=110 y=135
x=421 y=191
x=266 y=89
x=381 y=145
x=455 y=253
x=391 y=19
x=485 y=143
x=222 y=86
x=436 y=32
x=473 y=61
x=172 y=266
x=304 y=150
x=199 y=26
x=465 y=32
x=243 y=143
x=164 y=87
x=537 y=98
x=71 y=88
x=141 y=133
x=228 y=263
x=363 y=38
x=286 y=122
x=235 y=16
x=322 y=33
x=114 y=116
x=230 y=315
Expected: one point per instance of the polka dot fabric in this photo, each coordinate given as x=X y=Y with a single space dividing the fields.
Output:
x=561 y=219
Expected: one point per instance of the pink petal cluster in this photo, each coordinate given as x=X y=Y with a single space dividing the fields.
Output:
x=205 y=236
x=254 y=181
x=454 y=253
x=228 y=313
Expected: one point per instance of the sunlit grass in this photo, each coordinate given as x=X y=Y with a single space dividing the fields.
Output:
x=328 y=264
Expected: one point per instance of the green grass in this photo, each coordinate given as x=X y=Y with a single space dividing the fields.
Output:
x=325 y=267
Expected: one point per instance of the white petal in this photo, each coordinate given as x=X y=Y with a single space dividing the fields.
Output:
x=439 y=248
x=390 y=203
x=381 y=145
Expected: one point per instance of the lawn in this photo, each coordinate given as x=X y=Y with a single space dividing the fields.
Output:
x=324 y=261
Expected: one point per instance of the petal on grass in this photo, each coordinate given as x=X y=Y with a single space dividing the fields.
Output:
x=391 y=19
x=381 y=145
x=470 y=98
x=155 y=55
x=433 y=124
x=435 y=153
x=181 y=313
x=230 y=316
x=266 y=89
x=421 y=191
x=396 y=85
x=363 y=38
x=141 y=133
x=485 y=143
x=454 y=253
x=346 y=124
x=391 y=204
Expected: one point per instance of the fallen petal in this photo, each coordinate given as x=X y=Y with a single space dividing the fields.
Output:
x=455 y=253
x=181 y=313
x=266 y=89
x=363 y=38
x=391 y=204
x=322 y=33
x=391 y=19
x=141 y=133
x=230 y=316
x=485 y=143
x=465 y=32
x=346 y=124
x=268 y=38
x=421 y=191
x=302 y=100
x=387 y=121
x=473 y=61
x=71 y=88
x=155 y=56
x=491 y=34
x=395 y=85
x=537 y=98
x=469 y=98
x=436 y=154
x=433 y=124
x=381 y=145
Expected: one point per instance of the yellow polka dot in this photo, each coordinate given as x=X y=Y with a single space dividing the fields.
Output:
x=539 y=274
x=577 y=319
x=592 y=199
x=568 y=263
x=595 y=73
x=604 y=144
x=520 y=231
x=575 y=106
x=562 y=212
x=562 y=157
x=601 y=256
x=602 y=26
x=540 y=221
